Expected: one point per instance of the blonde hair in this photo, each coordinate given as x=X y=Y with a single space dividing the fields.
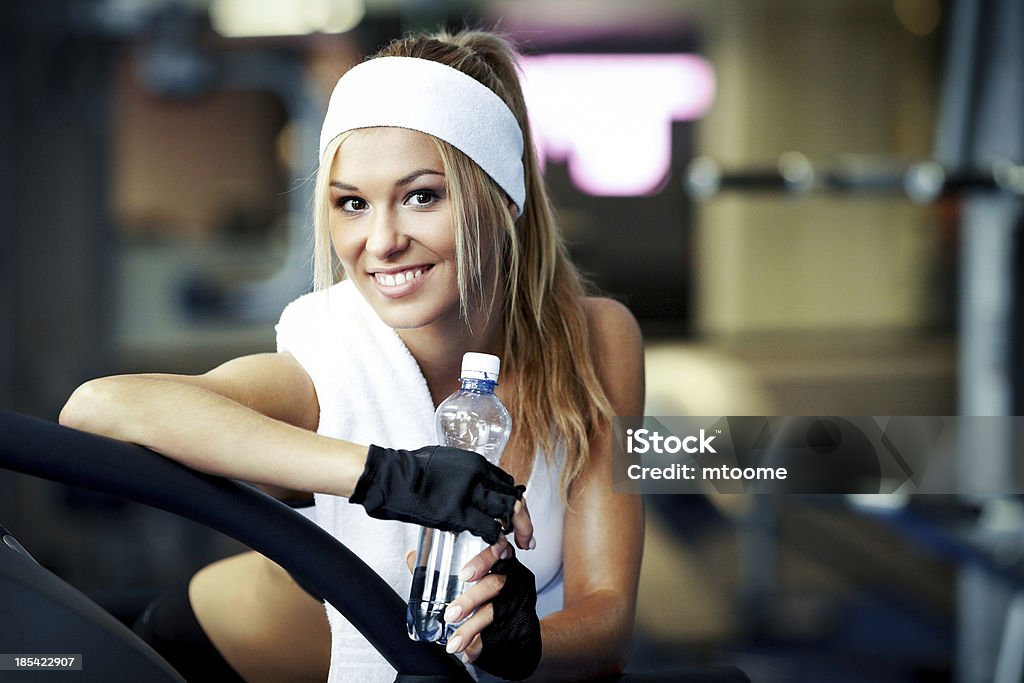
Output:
x=553 y=391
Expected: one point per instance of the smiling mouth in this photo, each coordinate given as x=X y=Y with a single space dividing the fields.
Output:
x=400 y=283
x=400 y=278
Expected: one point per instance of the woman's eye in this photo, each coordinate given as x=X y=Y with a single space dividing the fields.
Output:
x=422 y=198
x=350 y=204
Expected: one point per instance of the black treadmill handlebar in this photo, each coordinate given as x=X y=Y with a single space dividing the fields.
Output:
x=312 y=556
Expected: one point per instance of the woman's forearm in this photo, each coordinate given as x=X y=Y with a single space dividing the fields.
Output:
x=588 y=640
x=213 y=433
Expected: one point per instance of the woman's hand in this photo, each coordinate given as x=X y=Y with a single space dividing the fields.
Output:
x=501 y=635
x=443 y=488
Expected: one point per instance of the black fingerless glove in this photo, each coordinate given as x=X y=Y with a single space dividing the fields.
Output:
x=511 y=644
x=439 y=487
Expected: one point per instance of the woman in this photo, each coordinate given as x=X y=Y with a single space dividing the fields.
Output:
x=430 y=195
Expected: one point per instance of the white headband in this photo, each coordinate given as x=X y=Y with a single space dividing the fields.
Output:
x=423 y=95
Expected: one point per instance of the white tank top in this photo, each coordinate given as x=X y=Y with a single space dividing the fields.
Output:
x=371 y=390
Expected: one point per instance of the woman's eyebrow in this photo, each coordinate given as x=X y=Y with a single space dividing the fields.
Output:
x=409 y=179
x=401 y=182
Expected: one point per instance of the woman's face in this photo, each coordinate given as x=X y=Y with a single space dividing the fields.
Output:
x=392 y=228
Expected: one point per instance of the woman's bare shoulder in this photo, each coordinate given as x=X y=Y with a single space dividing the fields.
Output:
x=612 y=325
x=618 y=351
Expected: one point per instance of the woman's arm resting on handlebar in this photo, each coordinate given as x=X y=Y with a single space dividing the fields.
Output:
x=251 y=418
x=246 y=419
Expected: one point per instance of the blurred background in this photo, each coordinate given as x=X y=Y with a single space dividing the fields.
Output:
x=812 y=207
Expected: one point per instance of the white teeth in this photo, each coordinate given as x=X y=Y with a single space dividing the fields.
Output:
x=392 y=280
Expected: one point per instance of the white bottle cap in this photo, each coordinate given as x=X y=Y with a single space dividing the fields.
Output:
x=480 y=366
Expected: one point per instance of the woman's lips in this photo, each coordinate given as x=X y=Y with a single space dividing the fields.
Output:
x=399 y=283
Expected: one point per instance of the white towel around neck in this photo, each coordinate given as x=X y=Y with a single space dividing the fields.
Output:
x=371 y=390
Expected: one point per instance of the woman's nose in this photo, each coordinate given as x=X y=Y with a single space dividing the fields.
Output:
x=386 y=238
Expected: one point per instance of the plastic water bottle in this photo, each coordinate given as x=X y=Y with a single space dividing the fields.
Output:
x=474 y=419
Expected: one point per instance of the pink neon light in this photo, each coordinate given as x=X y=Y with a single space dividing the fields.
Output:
x=609 y=116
